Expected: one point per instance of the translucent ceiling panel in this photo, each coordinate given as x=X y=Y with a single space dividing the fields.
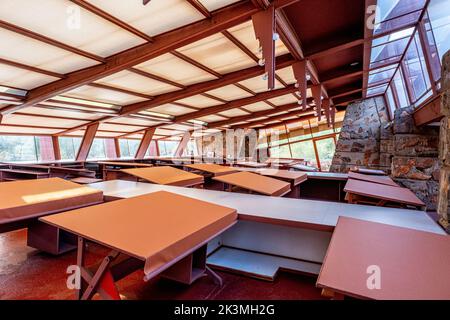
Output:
x=134 y=82
x=103 y=95
x=68 y=23
x=103 y=134
x=212 y=5
x=40 y=121
x=119 y=127
x=156 y=17
x=134 y=121
x=245 y=34
x=282 y=100
x=24 y=79
x=173 y=109
x=230 y=92
x=234 y=113
x=25 y=130
x=218 y=53
x=258 y=84
x=287 y=75
x=199 y=101
x=28 y=51
x=60 y=113
x=175 y=69
x=167 y=132
x=258 y=106
x=211 y=118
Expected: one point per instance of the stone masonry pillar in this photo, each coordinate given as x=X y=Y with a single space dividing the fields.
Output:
x=444 y=147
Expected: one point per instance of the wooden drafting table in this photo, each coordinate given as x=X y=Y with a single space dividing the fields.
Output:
x=162 y=232
x=255 y=183
x=372 y=178
x=22 y=202
x=327 y=186
x=22 y=174
x=251 y=164
x=295 y=178
x=270 y=227
x=111 y=170
x=302 y=167
x=283 y=163
x=369 y=171
x=166 y=175
x=211 y=168
x=412 y=264
x=367 y=192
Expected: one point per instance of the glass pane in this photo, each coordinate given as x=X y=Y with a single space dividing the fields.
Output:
x=397 y=13
x=397 y=23
x=167 y=148
x=400 y=89
x=304 y=150
x=97 y=150
x=415 y=69
x=280 y=152
x=439 y=14
x=18 y=148
x=432 y=48
x=325 y=150
x=391 y=100
x=124 y=148
x=69 y=147
x=376 y=90
x=389 y=51
x=376 y=77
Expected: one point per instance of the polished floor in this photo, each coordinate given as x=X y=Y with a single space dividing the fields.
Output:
x=26 y=273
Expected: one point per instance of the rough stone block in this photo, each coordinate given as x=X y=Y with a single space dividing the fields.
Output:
x=415 y=168
x=444 y=141
x=387 y=146
x=416 y=145
x=443 y=207
x=427 y=191
x=386 y=160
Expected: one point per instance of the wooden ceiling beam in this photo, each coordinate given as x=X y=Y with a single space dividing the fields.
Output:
x=199 y=88
x=200 y=8
x=31 y=68
x=164 y=43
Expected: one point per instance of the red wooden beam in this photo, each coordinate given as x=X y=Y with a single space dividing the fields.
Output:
x=183 y=143
x=317 y=95
x=299 y=69
x=326 y=107
x=117 y=147
x=86 y=142
x=145 y=143
x=264 y=26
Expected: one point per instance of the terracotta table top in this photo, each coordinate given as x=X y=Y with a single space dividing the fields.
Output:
x=255 y=182
x=156 y=227
x=383 y=192
x=372 y=178
x=166 y=175
x=215 y=169
x=412 y=263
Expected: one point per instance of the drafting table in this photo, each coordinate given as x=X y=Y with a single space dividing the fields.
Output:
x=369 y=171
x=251 y=164
x=327 y=186
x=22 y=202
x=270 y=227
x=212 y=169
x=283 y=163
x=412 y=264
x=111 y=170
x=372 y=178
x=302 y=167
x=255 y=183
x=166 y=175
x=295 y=178
x=367 y=192
x=163 y=233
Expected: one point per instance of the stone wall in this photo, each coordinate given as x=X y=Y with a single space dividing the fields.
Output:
x=364 y=140
x=414 y=160
x=409 y=154
x=444 y=147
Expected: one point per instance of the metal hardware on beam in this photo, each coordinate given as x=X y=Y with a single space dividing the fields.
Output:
x=264 y=26
x=317 y=95
x=299 y=69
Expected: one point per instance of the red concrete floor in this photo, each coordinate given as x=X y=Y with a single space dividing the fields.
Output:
x=26 y=273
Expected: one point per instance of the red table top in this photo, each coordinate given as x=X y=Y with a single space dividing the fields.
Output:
x=371 y=178
x=412 y=264
x=382 y=192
